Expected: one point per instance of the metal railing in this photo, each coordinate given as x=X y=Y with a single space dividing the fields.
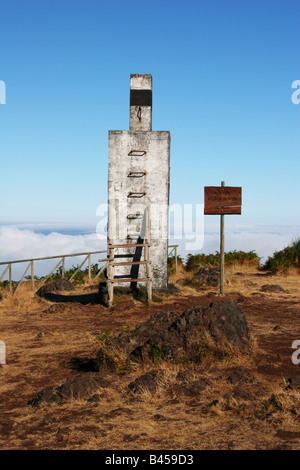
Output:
x=61 y=262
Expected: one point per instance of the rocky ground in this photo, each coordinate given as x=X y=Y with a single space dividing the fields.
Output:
x=81 y=376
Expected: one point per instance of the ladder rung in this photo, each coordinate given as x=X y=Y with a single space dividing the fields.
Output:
x=135 y=216
x=137 y=153
x=130 y=280
x=136 y=194
x=125 y=263
x=129 y=245
x=136 y=174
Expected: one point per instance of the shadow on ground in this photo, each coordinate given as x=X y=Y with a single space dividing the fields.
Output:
x=84 y=299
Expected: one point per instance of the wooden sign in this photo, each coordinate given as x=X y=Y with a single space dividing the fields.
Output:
x=222 y=200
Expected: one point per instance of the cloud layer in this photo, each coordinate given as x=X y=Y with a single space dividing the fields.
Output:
x=264 y=240
x=17 y=243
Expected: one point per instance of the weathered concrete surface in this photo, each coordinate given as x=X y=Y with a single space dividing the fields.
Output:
x=141 y=113
x=138 y=177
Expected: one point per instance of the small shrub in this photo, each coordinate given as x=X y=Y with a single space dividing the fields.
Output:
x=190 y=282
x=104 y=337
x=5 y=284
x=126 y=329
x=95 y=268
x=77 y=279
x=284 y=259
x=171 y=264
x=156 y=353
x=195 y=262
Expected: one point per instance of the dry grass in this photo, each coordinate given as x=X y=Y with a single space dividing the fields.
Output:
x=246 y=406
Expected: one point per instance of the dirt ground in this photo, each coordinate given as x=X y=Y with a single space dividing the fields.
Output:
x=253 y=401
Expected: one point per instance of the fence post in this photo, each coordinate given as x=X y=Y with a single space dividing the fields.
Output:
x=110 y=274
x=63 y=268
x=10 y=280
x=222 y=261
x=32 y=275
x=90 y=273
x=176 y=265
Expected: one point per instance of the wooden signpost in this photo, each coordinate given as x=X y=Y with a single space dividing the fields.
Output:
x=222 y=200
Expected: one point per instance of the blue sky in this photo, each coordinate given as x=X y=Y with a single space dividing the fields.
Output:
x=222 y=74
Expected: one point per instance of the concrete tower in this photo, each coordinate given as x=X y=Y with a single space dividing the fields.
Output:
x=138 y=178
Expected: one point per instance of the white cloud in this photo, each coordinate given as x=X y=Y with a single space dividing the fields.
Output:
x=264 y=240
x=16 y=243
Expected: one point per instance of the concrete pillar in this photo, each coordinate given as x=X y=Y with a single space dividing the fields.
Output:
x=138 y=178
x=140 y=103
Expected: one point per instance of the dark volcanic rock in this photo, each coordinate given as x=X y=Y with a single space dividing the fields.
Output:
x=172 y=289
x=103 y=293
x=239 y=376
x=189 y=335
x=272 y=288
x=190 y=389
x=81 y=386
x=207 y=277
x=56 y=308
x=146 y=382
x=55 y=286
x=294 y=383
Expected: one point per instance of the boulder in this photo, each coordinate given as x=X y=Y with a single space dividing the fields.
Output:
x=79 y=387
x=148 y=382
x=207 y=276
x=56 y=308
x=191 y=335
x=189 y=388
x=272 y=288
x=55 y=286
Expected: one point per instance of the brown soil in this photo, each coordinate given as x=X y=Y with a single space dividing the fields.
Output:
x=238 y=402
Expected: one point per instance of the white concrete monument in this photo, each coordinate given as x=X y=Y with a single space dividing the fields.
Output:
x=139 y=178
